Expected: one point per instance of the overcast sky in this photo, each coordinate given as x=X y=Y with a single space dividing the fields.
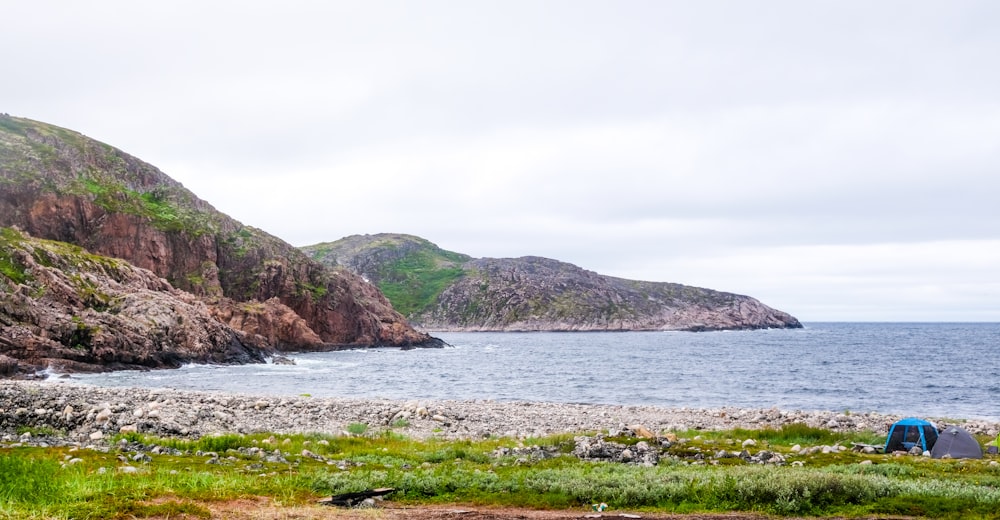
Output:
x=838 y=160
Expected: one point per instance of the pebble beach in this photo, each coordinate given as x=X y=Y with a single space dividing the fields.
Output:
x=86 y=413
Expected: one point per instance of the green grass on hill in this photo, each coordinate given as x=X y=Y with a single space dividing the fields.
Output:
x=413 y=282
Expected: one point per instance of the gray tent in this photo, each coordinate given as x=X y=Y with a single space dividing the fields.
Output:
x=956 y=443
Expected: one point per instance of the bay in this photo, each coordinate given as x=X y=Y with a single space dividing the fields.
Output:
x=948 y=370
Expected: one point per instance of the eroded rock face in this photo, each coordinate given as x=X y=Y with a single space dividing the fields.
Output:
x=64 y=308
x=271 y=319
x=60 y=185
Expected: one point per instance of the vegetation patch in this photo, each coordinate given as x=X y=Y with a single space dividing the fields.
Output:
x=414 y=282
x=171 y=477
x=160 y=206
x=10 y=265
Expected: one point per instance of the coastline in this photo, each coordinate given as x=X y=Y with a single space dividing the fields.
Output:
x=86 y=412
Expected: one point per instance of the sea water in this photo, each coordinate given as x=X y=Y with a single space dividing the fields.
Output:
x=922 y=369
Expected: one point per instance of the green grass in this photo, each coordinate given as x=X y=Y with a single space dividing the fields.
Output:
x=10 y=266
x=161 y=206
x=413 y=282
x=357 y=428
x=36 y=482
x=796 y=433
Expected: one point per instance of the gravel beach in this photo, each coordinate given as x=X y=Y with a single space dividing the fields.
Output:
x=91 y=413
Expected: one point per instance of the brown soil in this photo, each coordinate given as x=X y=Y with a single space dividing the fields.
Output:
x=265 y=509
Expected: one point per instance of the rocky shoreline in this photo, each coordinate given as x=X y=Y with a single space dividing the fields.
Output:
x=80 y=413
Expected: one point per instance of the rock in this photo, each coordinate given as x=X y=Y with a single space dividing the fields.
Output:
x=117 y=284
x=96 y=436
x=641 y=431
x=749 y=442
x=129 y=428
x=141 y=457
x=8 y=366
x=535 y=294
x=311 y=455
x=103 y=416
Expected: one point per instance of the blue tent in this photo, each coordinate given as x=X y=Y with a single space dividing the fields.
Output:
x=904 y=434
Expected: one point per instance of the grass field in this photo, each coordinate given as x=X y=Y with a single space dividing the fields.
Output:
x=145 y=477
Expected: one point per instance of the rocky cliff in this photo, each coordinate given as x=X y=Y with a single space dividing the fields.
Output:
x=441 y=290
x=59 y=185
x=62 y=307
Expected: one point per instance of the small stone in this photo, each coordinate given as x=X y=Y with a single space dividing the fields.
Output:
x=96 y=436
x=129 y=428
x=141 y=457
x=641 y=431
x=749 y=442
x=311 y=455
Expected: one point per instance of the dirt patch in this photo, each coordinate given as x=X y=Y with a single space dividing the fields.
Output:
x=266 y=509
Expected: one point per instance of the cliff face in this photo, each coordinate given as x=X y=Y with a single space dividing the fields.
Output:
x=62 y=307
x=59 y=185
x=447 y=291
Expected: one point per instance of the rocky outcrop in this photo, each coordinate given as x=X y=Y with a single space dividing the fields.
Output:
x=534 y=293
x=60 y=185
x=66 y=309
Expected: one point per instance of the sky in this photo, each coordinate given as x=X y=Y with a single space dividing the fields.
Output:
x=838 y=160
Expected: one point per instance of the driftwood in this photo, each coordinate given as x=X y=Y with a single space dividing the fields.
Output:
x=353 y=499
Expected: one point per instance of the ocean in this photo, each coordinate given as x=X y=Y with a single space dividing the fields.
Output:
x=941 y=370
